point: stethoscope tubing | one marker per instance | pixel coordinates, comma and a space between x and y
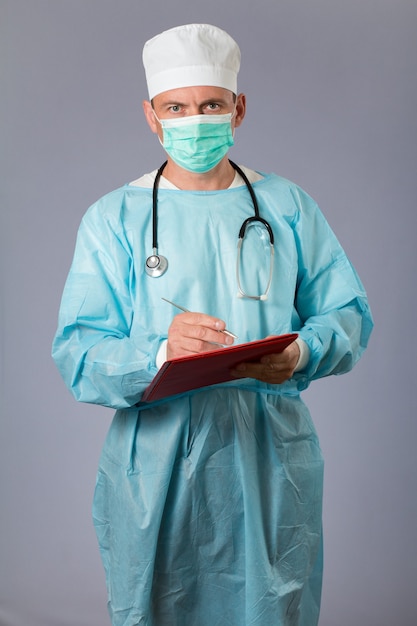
156, 264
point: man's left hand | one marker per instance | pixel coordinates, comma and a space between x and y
273, 369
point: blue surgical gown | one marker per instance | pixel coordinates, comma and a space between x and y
208, 505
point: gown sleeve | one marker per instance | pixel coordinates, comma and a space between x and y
330, 298
101, 359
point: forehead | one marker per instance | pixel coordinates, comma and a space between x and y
197, 94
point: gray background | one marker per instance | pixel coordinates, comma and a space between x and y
332, 104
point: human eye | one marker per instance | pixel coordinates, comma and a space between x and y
174, 108
212, 107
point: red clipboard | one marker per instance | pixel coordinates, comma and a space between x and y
210, 368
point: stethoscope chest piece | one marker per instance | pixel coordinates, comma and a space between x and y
156, 265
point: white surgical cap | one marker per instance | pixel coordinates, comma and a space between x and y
191, 55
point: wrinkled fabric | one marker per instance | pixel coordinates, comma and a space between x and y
208, 505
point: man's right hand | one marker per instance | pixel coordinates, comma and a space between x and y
192, 333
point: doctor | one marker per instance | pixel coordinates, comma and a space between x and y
207, 505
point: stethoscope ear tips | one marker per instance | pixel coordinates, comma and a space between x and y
156, 265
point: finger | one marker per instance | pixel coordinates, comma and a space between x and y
203, 334
183, 345
202, 319
192, 333
287, 359
268, 373
199, 319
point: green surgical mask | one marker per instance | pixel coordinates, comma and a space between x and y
197, 142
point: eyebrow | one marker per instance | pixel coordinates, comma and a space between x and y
201, 104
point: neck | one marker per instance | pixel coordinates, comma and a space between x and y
220, 177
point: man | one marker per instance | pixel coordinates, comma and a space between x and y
208, 504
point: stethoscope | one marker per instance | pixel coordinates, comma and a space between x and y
156, 264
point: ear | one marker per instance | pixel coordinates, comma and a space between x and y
240, 109
149, 115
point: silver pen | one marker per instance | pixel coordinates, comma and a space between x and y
226, 332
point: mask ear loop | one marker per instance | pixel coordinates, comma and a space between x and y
156, 117
233, 129
161, 141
